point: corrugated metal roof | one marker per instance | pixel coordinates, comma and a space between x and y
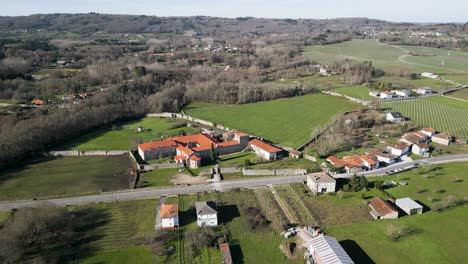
329, 250
407, 203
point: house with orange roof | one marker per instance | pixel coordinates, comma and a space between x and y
169, 214
399, 149
356, 163
429, 131
443, 138
421, 149
386, 95
415, 138
265, 150
37, 102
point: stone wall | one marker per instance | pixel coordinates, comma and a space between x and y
77, 153
268, 172
309, 157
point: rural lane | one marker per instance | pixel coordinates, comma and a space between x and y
218, 186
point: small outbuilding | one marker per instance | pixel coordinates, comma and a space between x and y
395, 117
409, 206
382, 209
225, 253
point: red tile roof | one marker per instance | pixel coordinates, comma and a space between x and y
166, 143
400, 146
169, 210
228, 143
266, 147
177, 158
423, 145
381, 206
428, 129
240, 134
185, 150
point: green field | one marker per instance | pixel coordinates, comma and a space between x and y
390, 58
358, 92
441, 113
158, 177
438, 237
121, 137
64, 177
400, 82
289, 122
460, 94
461, 78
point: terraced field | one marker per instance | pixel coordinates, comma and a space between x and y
441, 113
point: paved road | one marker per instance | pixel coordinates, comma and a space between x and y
225, 185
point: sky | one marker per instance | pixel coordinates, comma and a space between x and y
391, 10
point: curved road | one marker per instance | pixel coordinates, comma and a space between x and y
219, 186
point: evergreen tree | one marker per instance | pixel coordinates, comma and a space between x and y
212, 153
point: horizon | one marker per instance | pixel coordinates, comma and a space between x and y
274, 9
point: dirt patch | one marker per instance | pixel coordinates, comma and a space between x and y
187, 179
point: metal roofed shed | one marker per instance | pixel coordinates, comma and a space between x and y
327, 250
409, 206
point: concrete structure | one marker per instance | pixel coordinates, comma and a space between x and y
206, 214
225, 253
402, 93
191, 150
265, 150
409, 206
327, 250
399, 149
394, 117
443, 138
169, 216
421, 149
295, 154
321, 182
381, 209
386, 95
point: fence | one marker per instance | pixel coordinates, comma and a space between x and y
269, 172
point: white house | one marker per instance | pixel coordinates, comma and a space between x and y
326, 249
421, 149
424, 90
415, 138
429, 75
169, 214
386, 95
395, 117
443, 138
383, 157
409, 206
402, 93
399, 149
325, 72
428, 131
374, 93
321, 182
206, 214
265, 150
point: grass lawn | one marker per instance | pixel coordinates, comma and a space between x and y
4, 216
65, 176
387, 57
358, 92
289, 122
438, 237
114, 229
158, 177
461, 78
441, 113
236, 159
122, 137
460, 94
288, 163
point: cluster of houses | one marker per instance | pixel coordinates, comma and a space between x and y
207, 216
192, 150
401, 93
415, 142
384, 209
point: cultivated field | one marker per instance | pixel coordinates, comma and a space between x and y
64, 177
460, 94
390, 58
442, 113
289, 122
120, 137
437, 237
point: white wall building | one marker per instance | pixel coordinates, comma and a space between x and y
399, 149
265, 150
394, 117
386, 95
402, 93
206, 214
321, 182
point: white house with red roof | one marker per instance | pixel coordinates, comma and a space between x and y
429, 131
399, 149
265, 150
421, 149
386, 95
